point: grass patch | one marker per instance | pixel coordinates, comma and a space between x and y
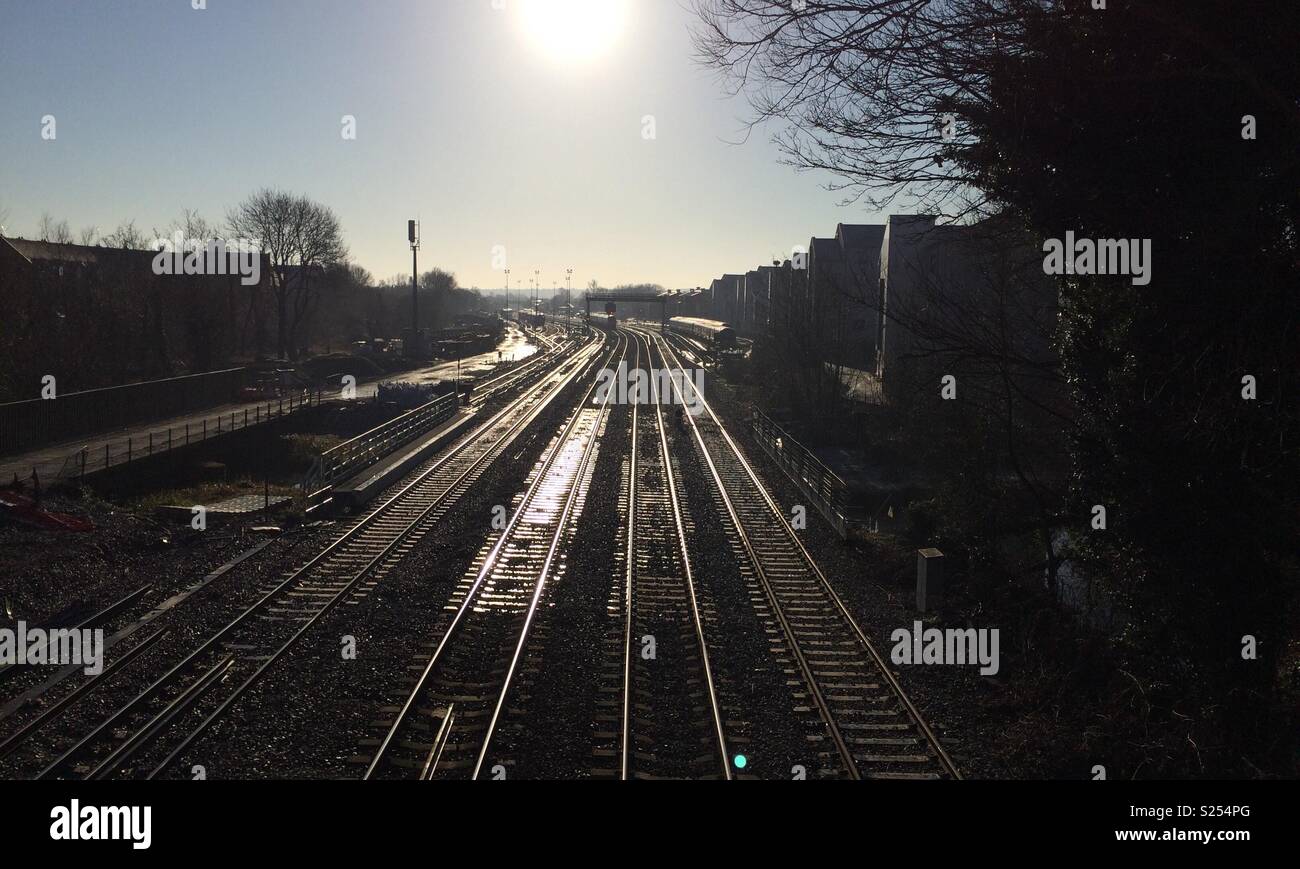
305, 448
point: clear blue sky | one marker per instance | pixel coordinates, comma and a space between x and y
479, 120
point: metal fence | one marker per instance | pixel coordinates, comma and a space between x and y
37, 423
152, 443
823, 487
367, 449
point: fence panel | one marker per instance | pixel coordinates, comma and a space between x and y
828, 493
38, 423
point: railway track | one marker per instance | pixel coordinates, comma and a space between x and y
875, 730
670, 724
670, 679
133, 741
98, 620
503, 383
446, 724
552, 347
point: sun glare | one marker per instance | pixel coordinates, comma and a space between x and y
574, 31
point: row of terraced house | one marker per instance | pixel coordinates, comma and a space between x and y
873, 296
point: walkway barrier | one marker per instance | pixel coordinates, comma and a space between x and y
32, 424
361, 452
822, 486
135, 447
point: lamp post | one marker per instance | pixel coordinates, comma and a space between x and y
537, 287
568, 300
507, 295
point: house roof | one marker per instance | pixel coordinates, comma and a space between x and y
861, 236
50, 252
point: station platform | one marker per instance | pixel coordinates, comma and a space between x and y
359, 490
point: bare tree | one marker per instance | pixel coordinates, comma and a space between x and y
318, 245
193, 226
125, 237
360, 276
868, 90
88, 235
299, 236
440, 288
263, 218
56, 232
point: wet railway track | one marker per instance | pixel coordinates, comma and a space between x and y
444, 728
874, 729
502, 384
669, 722
687, 650
149, 733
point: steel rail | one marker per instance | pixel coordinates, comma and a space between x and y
91, 621
180, 704
16, 740
561, 523
191, 660
439, 743
841, 610
625, 738
688, 575
342, 594
509, 378
453, 628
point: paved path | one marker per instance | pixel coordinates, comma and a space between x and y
113, 448
513, 348
117, 447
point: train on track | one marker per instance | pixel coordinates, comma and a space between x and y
711, 333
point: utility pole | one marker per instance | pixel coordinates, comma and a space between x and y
568, 300
507, 295
413, 235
